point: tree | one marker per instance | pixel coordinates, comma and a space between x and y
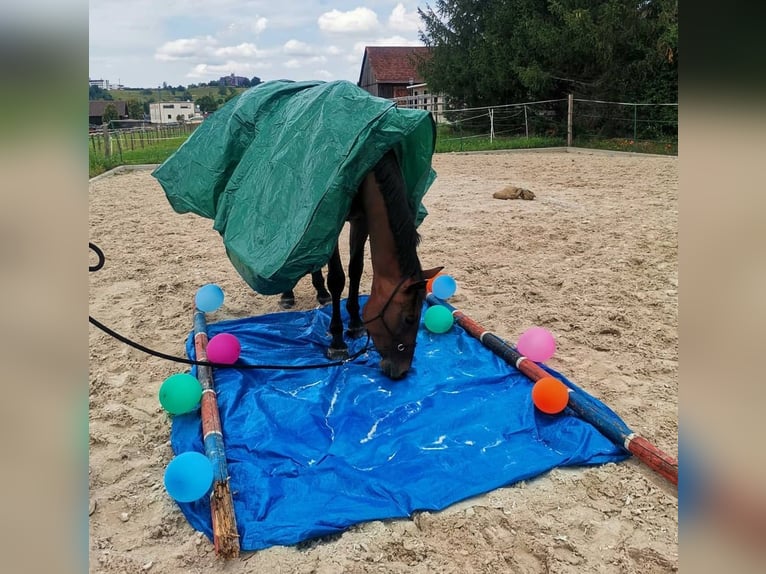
207, 104
500, 51
135, 110
254, 81
222, 90
96, 93
110, 114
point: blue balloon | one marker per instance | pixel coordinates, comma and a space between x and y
209, 298
189, 476
444, 286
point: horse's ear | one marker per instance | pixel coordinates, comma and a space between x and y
430, 273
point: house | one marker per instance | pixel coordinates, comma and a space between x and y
96, 110
171, 112
103, 84
234, 81
392, 72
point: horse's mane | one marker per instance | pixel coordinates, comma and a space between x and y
400, 213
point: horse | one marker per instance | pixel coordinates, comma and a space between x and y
380, 210
287, 299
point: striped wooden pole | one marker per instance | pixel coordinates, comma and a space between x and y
653, 457
225, 535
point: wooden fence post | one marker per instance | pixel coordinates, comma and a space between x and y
570, 100
107, 143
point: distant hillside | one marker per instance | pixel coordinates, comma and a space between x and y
145, 95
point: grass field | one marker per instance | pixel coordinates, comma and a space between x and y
159, 151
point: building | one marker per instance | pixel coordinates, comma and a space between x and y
233, 81
392, 72
96, 110
103, 84
171, 112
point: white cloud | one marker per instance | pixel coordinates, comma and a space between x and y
356, 20
184, 48
214, 71
298, 48
244, 50
333, 50
403, 21
324, 75
259, 25
293, 64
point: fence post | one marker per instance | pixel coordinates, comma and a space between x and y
107, 143
635, 110
570, 105
491, 124
526, 122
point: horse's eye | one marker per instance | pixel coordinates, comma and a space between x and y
400, 347
409, 319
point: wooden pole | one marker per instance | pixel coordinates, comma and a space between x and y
662, 463
570, 106
107, 143
225, 535
526, 121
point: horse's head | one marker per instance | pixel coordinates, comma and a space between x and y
392, 317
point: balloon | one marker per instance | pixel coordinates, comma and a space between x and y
536, 344
430, 283
223, 348
444, 286
209, 298
189, 476
180, 393
550, 395
438, 319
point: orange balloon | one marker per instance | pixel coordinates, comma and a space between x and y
550, 395
430, 283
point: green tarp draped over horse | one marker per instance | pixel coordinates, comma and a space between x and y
277, 168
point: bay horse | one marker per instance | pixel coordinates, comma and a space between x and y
287, 299
391, 317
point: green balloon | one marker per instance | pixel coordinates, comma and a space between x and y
180, 394
438, 319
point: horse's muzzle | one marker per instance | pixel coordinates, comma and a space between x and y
392, 370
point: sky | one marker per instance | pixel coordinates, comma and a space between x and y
143, 43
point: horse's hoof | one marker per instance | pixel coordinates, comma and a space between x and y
337, 354
356, 332
287, 303
324, 298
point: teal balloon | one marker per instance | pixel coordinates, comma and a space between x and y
209, 298
444, 286
180, 394
189, 476
438, 319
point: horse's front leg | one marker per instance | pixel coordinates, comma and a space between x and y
317, 280
357, 239
336, 281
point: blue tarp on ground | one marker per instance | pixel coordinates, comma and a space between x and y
312, 452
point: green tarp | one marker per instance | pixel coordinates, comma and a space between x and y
277, 167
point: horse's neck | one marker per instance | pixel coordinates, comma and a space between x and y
383, 253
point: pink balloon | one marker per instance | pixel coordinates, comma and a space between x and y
223, 348
536, 344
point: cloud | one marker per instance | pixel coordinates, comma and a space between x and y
214, 71
259, 25
403, 21
333, 50
244, 50
356, 53
184, 48
298, 48
356, 20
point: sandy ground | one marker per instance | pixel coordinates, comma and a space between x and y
593, 258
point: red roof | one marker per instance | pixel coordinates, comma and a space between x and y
395, 64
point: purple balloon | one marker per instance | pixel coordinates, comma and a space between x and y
223, 348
